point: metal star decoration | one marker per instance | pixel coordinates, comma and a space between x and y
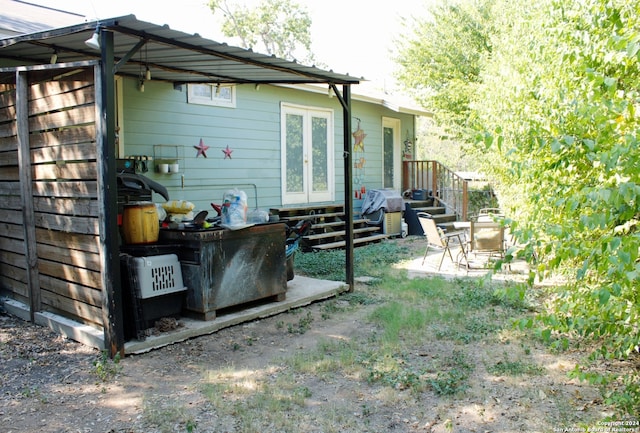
202, 149
227, 152
359, 136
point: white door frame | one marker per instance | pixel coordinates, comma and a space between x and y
394, 124
307, 195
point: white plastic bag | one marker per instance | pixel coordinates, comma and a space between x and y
234, 208
257, 216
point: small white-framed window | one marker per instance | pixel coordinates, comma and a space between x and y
217, 95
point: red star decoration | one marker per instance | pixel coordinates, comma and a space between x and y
227, 152
202, 149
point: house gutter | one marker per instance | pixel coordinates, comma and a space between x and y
387, 103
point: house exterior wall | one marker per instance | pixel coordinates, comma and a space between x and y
161, 116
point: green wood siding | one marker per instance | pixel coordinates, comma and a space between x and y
161, 115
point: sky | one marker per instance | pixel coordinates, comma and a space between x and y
354, 37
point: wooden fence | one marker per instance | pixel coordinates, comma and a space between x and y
50, 249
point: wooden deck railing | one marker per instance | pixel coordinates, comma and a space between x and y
449, 189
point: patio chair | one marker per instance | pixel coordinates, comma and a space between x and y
439, 238
490, 211
486, 237
489, 214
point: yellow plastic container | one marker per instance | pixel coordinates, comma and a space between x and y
140, 223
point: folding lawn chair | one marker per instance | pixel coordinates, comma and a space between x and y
439, 238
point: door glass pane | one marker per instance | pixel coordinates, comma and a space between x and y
295, 168
388, 157
320, 175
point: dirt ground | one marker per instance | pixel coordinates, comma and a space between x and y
50, 384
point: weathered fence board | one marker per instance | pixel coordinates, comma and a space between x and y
16, 287
62, 201
15, 274
71, 152
72, 291
79, 311
66, 206
8, 95
66, 171
9, 158
7, 113
13, 259
74, 241
8, 129
8, 143
61, 119
9, 201
45, 83
71, 136
69, 98
11, 216
78, 258
8, 174
80, 189
67, 224
12, 245
12, 231
70, 273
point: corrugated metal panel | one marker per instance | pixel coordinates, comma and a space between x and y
171, 55
18, 17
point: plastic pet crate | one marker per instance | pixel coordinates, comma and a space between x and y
158, 275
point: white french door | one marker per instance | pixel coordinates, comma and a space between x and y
307, 154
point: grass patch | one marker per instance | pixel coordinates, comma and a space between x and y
399, 321
507, 367
373, 260
106, 368
454, 375
422, 337
249, 403
167, 415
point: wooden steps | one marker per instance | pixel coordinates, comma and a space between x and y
328, 228
333, 234
313, 216
356, 242
340, 223
438, 213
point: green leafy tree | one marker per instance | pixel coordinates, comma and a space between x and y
441, 62
554, 109
579, 158
275, 27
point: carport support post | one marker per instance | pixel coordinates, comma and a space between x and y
348, 185
112, 315
26, 192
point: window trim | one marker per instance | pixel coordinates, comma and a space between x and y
213, 100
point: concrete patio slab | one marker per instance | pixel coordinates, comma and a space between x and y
301, 291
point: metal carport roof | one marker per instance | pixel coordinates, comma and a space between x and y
171, 55
127, 47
